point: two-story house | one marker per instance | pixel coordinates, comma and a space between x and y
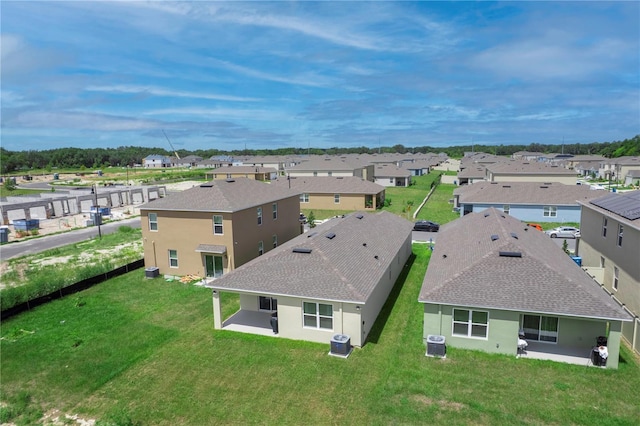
215, 227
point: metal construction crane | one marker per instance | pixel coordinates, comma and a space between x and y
170, 144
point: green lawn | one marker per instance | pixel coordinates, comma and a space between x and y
146, 351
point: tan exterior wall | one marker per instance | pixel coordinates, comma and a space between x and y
223, 176
565, 179
327, 202
333, 173
184, 231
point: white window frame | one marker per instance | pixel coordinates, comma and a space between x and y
470, 324
317, 318
260, 248
336, 198
550, 211
620, 232
173, 258
549, 336
259, 210
605, 222
274, 209
304, 197
153, 221
616, 278
218, 225
275, 240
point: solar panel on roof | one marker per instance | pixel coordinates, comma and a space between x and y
624, 205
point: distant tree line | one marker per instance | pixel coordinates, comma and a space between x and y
95, 158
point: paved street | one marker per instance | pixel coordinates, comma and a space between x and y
36, 245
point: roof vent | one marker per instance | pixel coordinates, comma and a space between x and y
331, 235
514, 235
375, 257
364, 244
494, 237
544, 186
302, 250
359, 216
510, 254
339, 177
487, 215
312, 234
230, 180
506, 186
207, 185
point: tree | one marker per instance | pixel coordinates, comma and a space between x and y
312, 220
565, 247
9, 184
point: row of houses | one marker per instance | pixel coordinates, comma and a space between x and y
383, 169
489, 276
561, 168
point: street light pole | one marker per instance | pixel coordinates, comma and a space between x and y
97, 216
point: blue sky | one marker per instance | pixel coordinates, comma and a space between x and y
320, 74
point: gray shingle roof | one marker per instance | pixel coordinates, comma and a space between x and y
525, 193
466, 269
331, 185
389, 170
337, 269
524, 168
222, 196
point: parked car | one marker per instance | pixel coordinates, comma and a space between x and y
563, 232
426, 226
535, 225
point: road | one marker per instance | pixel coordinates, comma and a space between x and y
37, 245
431, 236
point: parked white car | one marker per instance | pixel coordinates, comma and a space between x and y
563, 232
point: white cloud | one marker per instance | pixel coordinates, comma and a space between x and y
158, 91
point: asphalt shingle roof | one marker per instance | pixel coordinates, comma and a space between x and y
466, 269
343, 268
222, 196
525, 193
331, 185
525, 168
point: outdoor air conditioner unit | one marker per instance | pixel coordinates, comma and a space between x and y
340, 345
152, 272
436, 346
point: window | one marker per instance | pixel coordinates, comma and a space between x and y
391, 180
304, 198
217, 225
620, 229
540, 328
260, 248
601, 261
615, 278
268, 303
604, 227
550, 211
173, 258
153, 221
317, 315
329, 173
506, 209
470, 323
274, 208
315, 173
336, 198
259, 215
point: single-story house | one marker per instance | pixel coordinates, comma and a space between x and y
491, 278
331, 280
335, 193
526, 201
523, 171
390, 175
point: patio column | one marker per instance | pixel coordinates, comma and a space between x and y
217, 313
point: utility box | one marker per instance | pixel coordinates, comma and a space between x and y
340, 345
436, 346
152, 272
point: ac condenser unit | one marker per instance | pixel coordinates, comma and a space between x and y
340, 345
436, 346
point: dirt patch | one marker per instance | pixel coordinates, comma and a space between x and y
424, 400
57, 418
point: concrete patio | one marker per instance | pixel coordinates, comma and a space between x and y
550, 352
252, 322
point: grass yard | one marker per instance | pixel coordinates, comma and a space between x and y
145, 351
405, 200
438, 209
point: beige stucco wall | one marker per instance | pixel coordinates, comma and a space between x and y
333, 173
347, 202
184, 231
